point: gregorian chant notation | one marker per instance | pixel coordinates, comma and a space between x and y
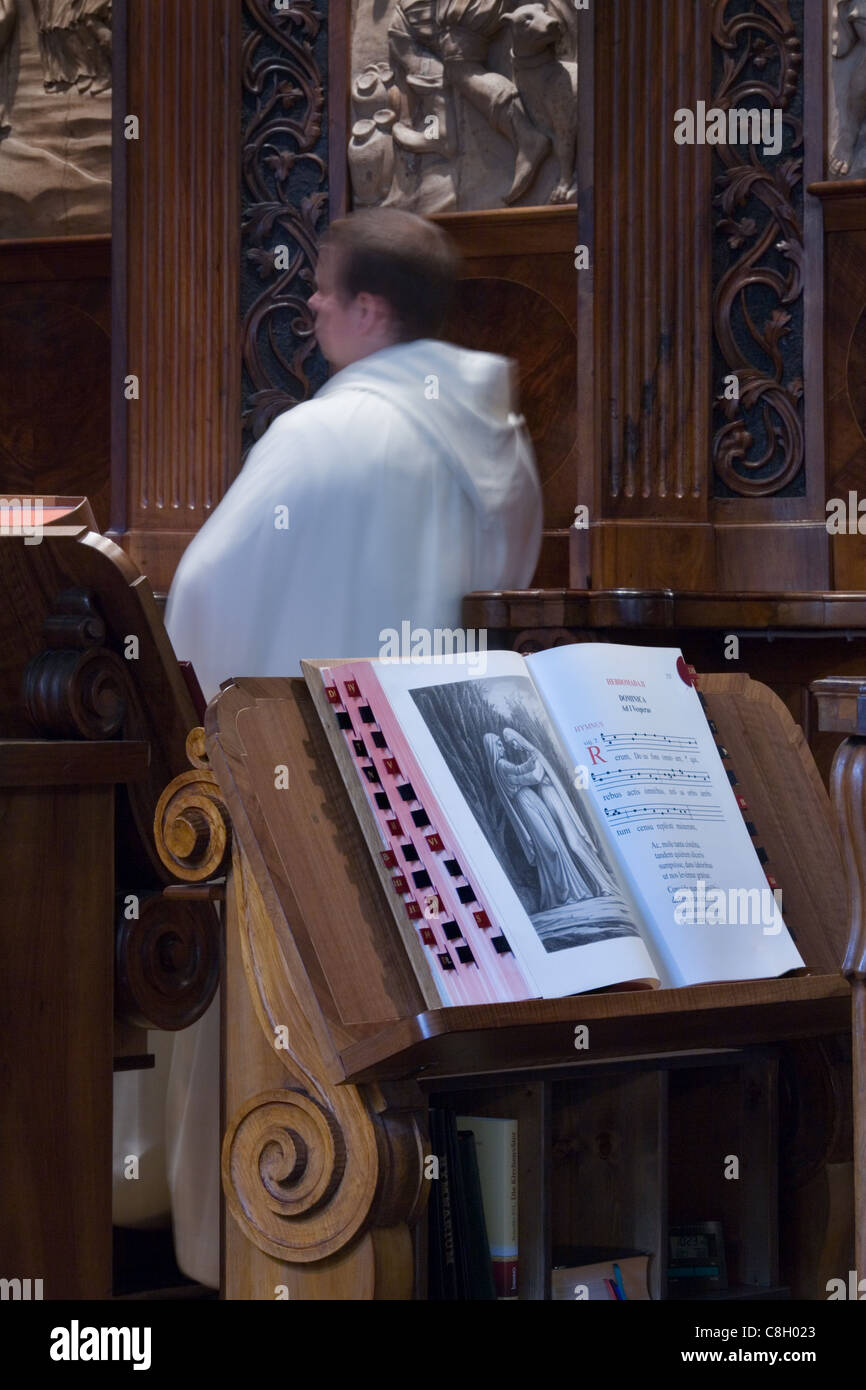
672, 742
669, 777
664, 812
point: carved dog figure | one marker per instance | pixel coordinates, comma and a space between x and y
547, 87
849, 31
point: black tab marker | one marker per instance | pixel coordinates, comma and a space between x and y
407, 792
410, 853
451, 930
382, 801
465, 956
465, 893
420, 819
344, 720
378, 739
367, 715
453, 868
421, 879
371, 774
501, 946
446, 962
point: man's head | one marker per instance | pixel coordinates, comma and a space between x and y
383, 277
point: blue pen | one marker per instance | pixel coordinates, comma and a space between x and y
619, 1283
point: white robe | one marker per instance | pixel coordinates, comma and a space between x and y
408, 482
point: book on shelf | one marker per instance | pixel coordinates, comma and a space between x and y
552, 824
598, 1275
495, 1142
460, 1265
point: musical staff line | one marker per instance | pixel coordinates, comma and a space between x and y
648, 812
678, 742
617, 777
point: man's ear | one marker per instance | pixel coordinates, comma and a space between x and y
376, 312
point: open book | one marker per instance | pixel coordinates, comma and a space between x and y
552, 824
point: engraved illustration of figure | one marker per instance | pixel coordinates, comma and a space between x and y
457, 33
568, 867
849, 37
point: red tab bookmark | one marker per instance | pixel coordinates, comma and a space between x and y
333, 694
352, 689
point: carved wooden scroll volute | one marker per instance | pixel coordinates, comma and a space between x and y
168, 958
307, 1167
77, 687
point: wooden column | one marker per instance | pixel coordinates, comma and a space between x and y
181, 249
699, 254
644, 393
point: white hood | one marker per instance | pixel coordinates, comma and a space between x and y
471, 417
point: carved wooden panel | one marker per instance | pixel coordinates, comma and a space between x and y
55, 366
844, 206
55, 118
517, 298
182, 257
758, 444
285, 204
457, 107
698, 255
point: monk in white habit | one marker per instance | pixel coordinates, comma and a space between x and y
407, 482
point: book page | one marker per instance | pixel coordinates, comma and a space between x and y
637, 736
484, 742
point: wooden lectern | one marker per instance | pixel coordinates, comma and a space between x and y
94, 718
332, 1059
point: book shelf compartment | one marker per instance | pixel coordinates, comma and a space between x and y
617, 1155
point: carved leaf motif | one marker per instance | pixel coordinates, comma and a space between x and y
758, 450
284, 198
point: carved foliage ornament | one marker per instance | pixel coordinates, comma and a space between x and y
757, 301
284, 201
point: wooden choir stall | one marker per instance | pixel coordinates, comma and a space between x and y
94, 719
333, 1057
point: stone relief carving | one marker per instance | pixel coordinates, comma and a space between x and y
463, 104
55, 117
848, 89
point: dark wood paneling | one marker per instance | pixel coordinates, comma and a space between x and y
55, 1222
517, 297
55, 366
844, 206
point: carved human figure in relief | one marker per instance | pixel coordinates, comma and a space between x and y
75, 43
457, 33
849, 38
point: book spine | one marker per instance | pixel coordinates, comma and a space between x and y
504, 1258
496, 1146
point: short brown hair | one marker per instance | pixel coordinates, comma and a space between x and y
405, 259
